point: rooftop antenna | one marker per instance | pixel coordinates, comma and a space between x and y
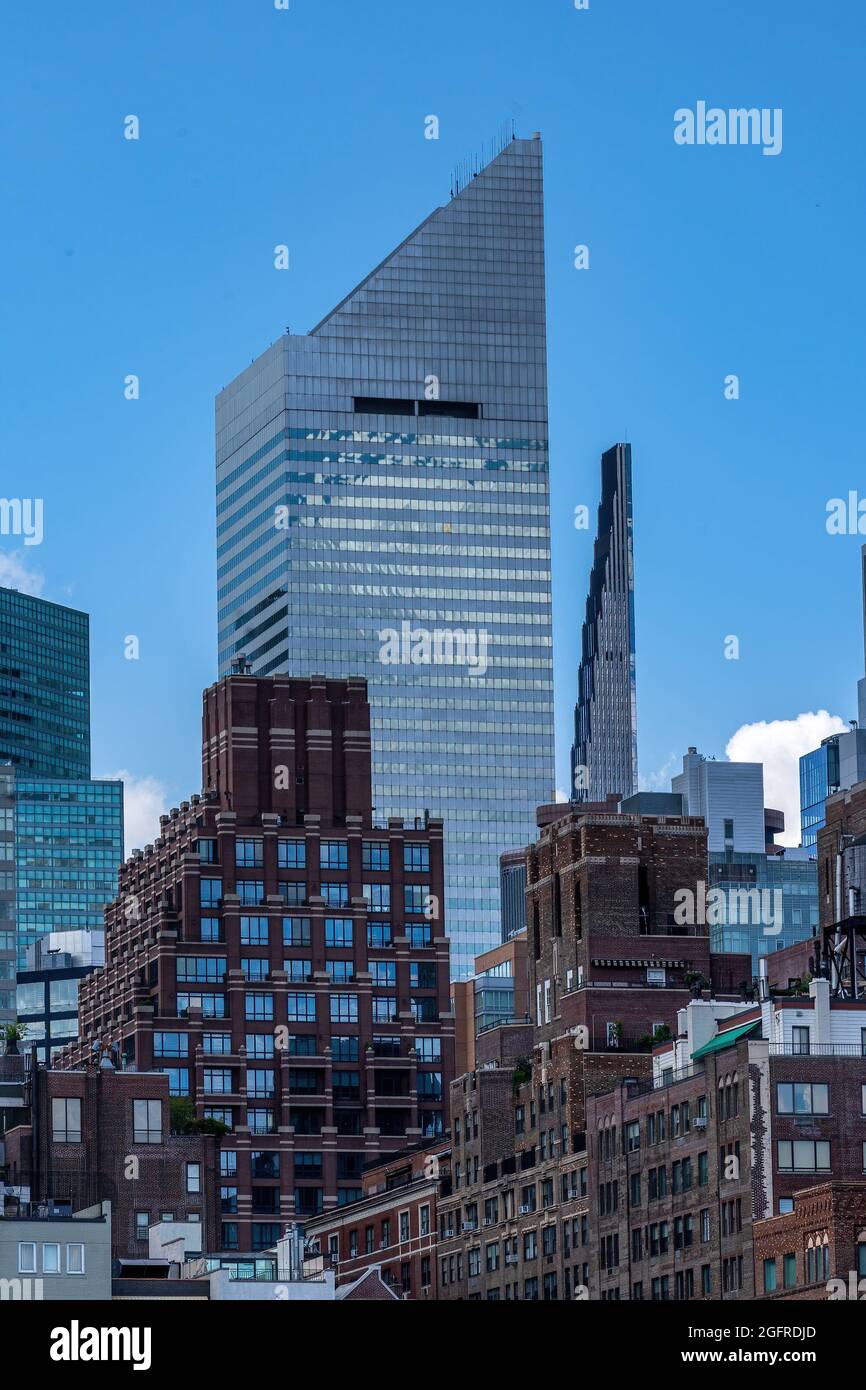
469, 168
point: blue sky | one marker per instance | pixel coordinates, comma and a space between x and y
259, 127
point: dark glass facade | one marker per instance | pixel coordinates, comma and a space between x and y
604, 753
44, 686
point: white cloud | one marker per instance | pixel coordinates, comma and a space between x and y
660, 781
15, 575
779, 744
561, 795
145, 799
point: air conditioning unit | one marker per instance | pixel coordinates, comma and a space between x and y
488, 1220
525, 1209
511, 1259
700, 1122
468, 1226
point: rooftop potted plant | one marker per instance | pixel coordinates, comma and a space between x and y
13, 1034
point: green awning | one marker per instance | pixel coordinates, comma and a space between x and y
723, 1040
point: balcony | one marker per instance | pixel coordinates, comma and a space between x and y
818, 1050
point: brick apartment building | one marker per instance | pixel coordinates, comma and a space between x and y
605, 950
513, 1215
731, 1127
102, 1135
282, 958
393, 1228
818, 1250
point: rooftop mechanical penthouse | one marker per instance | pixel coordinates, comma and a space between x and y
283, 958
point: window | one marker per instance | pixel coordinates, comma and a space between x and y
800, 1041
223, 1113
344, 1008
338, 932
210, 892
336, 894
292, 894
218, 1081
376, 856
291, 854
193, 1177
257, 1045
171, 1044
790, 1270
802, 1098
211, 929
259, 1006
142, 1224
207, 851
201, 970
804, 1155
415, 896
211, 1005
254, 931
422, 974
296, 931
384, 1009
75, 1258
341, 972
384, 973
248, 854
260, 1083
333, 854
66, 1120
255, 968
251, 891
416, 858
378, 896
301, 1008
379, 934
178, 1080
299, 969
50, 1257
418, 936
147, 1121
26, 1257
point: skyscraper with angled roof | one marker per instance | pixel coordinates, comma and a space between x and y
604, 752
382, 510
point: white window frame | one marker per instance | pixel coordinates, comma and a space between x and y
23, 1266
79, 1246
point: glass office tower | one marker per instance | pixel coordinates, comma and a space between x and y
61, 833
382, 510
44, 686
68, 849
